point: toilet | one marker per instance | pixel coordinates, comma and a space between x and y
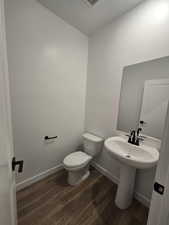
77, 163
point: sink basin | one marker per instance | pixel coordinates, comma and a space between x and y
140, 157
131, 157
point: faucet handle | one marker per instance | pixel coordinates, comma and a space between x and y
138, 131
132, 131
129, 133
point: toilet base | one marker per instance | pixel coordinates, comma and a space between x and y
76, 177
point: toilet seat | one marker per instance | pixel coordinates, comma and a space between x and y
76, 160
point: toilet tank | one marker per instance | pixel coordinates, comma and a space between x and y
92, 144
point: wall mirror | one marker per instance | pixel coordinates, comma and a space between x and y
144, 97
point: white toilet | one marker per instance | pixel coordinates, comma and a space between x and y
77, 163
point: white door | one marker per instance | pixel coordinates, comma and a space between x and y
7, 180
159, 209
154, 107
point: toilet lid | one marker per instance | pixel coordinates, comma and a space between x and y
76, 159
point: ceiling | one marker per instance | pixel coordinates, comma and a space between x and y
89, 19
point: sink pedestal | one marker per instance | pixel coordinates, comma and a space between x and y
126, 185
131, 157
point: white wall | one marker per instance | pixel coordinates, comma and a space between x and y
140, 35
48, 70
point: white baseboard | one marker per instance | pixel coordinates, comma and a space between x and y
143, 199
105, 172
38, 177
140, 197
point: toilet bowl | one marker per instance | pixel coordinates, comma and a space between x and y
77, 163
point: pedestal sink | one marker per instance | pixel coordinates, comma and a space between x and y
132, 157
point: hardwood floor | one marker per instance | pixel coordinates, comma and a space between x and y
53, 202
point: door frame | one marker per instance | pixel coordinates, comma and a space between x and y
157, 82
151, 83
159, 207
6, 137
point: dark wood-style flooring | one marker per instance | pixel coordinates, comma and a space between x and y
53, 202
